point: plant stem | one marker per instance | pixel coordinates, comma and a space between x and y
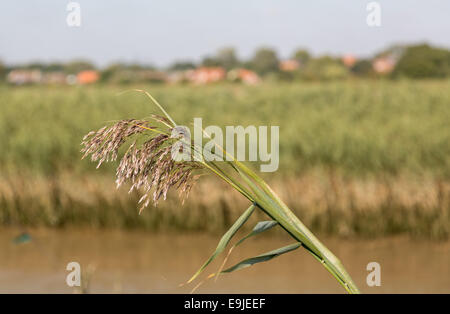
269, 202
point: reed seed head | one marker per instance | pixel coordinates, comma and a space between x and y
148, 166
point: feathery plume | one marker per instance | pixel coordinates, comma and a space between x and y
149, 167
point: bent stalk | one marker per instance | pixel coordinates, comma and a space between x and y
148, 166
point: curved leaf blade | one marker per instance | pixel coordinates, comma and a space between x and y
263, 257
259, 228
225, 239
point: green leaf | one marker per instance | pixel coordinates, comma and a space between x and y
226, 239
262, 258
259, 228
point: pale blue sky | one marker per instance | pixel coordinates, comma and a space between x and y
159, 32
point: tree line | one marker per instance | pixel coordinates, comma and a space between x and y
413, 61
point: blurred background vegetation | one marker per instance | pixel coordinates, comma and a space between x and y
357, 157
395, 62
364, 146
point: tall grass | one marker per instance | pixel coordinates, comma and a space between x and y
330, 204
362, 128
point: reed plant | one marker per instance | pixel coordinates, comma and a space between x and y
147, 165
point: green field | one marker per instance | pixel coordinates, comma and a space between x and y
361, 127
393, 133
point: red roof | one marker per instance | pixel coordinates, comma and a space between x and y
87, 77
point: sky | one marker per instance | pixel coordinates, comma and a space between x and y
160, 32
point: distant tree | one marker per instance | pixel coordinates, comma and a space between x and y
109, 72
226, 57
137, 67
325, 68
182, 66
76, 66
123, 73
265, 61
34, 66
2, 71
54, 67
302, 56
210, 62
288, 75
362, 68
423, 61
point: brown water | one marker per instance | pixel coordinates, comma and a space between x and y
137, 262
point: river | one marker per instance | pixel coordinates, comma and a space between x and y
142, 262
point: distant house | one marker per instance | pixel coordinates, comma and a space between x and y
54, 78
349, 60
245, 76
87, 77
384, 65
205, 75
21, 77
177, 77
289, 65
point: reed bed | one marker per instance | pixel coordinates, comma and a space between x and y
356, 151
330, 204
362, 128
